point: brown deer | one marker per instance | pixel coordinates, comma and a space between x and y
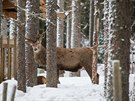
41, 80
70, 59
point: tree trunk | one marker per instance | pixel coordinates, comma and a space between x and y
1, 78
95, 42
68, 34
106, 12
12, 34
51, 6
12, 28
75, 29
119, 44
21, 77
91, 23
4, 28
32, 28
0, 14
60, 28
133, 30
68, 25
133, 96
101, 16
60, 25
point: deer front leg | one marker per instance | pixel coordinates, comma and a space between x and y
89, 71
58, 76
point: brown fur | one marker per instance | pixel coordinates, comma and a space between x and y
70, 59
41, 80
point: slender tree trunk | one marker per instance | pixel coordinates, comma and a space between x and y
51, 6
91, 22
133, 96
60, 28
68, 25
101, 16
68, 34
95, 42
0, 14
133, 26
12, 34
119, 35
32, 29
12, 28
1, 79
106, 12
133, 36
75, 29
21, 77
60, 25
4, 27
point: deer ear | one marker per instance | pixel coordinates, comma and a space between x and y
26, 41
29, 42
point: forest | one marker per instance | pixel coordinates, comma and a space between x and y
67, 50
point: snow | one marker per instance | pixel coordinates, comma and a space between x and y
70, 89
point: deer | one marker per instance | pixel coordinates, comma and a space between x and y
41, 80
68, 59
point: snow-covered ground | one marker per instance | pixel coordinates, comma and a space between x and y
70, 89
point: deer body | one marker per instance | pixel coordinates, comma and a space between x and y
70, 59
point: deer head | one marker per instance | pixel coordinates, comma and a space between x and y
36, 45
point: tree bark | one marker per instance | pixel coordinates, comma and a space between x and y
60, 28
119, 43
106, 15
21, 75
1, 78
32, 31
91, 23
4, 27
0, 14
133, 96
68, 25
75, 29
51, 6
68, 31
12, 28
60, 25
95, 42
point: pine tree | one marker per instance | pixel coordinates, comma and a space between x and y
60, 25
21, 77
68, 25
60, 28
1, 79
4, 27
106, 12
119, 44
32, 28
75, 28
51, 6
12, 28
0, 14
91, 22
